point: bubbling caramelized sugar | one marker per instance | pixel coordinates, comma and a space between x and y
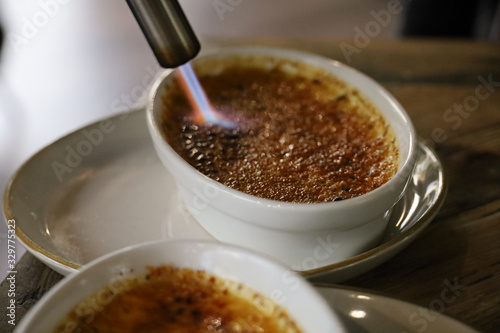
303, 136
170, 299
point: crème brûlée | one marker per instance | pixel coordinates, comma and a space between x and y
301, 135
178, 300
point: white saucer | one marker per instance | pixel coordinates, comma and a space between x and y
365, 312
103, 188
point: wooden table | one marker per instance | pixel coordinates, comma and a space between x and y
451, 89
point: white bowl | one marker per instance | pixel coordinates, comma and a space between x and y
302, 302
292, 232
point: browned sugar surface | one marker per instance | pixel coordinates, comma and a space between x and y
299, 139
179, 300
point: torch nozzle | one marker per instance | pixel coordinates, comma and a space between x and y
167, 30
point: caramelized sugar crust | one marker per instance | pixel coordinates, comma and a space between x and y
300, 138
170, 299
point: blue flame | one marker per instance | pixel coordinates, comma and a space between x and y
200, 99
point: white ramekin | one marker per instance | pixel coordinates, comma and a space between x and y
291, 232
273, 280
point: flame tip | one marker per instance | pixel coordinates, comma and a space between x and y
204, 112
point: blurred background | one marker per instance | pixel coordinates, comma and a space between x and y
66, 63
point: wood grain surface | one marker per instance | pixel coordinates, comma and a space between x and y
454, 266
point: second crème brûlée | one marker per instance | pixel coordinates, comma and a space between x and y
301, 134
171, 299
